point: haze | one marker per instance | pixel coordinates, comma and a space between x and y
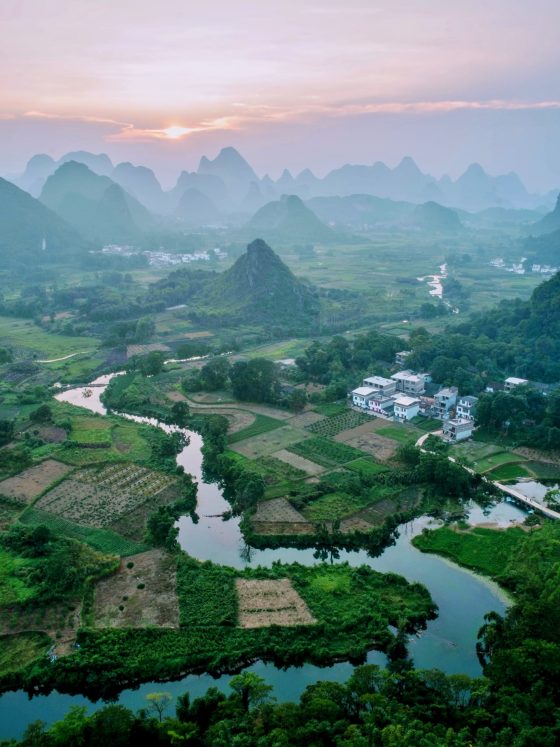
292, 84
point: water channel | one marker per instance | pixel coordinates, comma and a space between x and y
448, 643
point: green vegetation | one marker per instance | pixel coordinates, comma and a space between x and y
325, 452
17, 651
366, 466
101, 539
487, 551
402, 434
330, 426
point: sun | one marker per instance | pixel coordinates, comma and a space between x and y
175, 132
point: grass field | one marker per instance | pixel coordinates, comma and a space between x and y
484, 550
496, 460
100, 539
365, 466
335, 506
23, 334
17, 651
508, 472
269, 442
330, 409
326, 453
261, 424
13, 587
403, 434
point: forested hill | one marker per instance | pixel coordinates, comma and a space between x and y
29, 231
517, 338
258, 288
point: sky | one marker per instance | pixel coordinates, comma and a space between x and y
290, 83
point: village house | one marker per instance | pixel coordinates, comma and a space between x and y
512, 382
457, 429
409, 383
400, 358
444, 401
382, 406
362, 395
466, 407
380, 384
406, 408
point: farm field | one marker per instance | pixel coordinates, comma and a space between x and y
306, 466
30, 483
269, 442
263, 603
325, 452
27, 339
142, 593
99, 496
261, 424
365, 466
103, 540
335, 424
403, 434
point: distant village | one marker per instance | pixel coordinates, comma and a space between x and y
408, 394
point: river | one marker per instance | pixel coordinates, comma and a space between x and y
448, 643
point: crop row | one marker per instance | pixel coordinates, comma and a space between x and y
338, 423
325, 452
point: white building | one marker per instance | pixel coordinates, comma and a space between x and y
400, 358
406, 408
382, 406
466, 407
409, 382
444, 400
380, 384
457, 429
362, 395
512, 382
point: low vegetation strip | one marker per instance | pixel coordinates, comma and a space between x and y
366, 466
487, 551
261, 424
330, 426
325, 452
100, 539
263, 603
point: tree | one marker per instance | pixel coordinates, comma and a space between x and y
251, 689
297, 400
158, 703
215, 374
6, 431
150, 364
42, 414
255, 380
180, 413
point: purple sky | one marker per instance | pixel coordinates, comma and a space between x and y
291, 83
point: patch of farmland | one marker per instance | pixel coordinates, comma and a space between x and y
325, 452
270, 442
306, 419
277, 509
132, 350
270, 602
337, 423
261, 424
365, 438
30, 483
299, 462
97, 497
139, 596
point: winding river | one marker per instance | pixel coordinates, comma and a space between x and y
448, 643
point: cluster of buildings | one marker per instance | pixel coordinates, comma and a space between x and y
407, 394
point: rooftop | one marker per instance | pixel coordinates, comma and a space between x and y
515, 380
363, 391
378, 381
403, 401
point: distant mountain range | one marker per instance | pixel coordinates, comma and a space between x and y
95, 205
233, 187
